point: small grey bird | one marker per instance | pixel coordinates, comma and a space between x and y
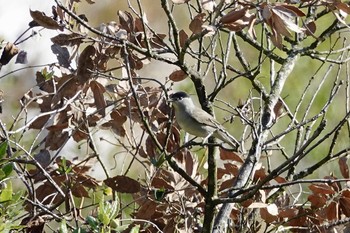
198, 122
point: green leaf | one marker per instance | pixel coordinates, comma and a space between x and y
159, 194
7, 169
93, 223
63, 226
135, 229
3, 147
6, 194
2, 176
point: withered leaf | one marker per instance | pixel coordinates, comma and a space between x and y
8, 53
85, 180
43, 158
278, 109
79, 190
177, 76
85, 64
231, 168
44, 193
281, 20
344, 168
22, 57
321, 189
267, 216
98, 90
310, 28
317, 201
196, 24
126, 20
56, 139
40, 122
67, 39
190, 163
79, 135
158, 182
117, 123
331, 211
123, 184
62, 55
147, 210
233, 16
230, 155
45, 21
157, 41
183, 37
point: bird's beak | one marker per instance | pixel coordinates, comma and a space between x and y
170, 99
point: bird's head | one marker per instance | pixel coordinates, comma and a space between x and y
181, 100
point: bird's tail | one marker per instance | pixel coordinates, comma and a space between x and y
224, 136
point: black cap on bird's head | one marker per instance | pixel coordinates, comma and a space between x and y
178, 96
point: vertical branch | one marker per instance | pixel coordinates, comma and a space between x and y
254, 154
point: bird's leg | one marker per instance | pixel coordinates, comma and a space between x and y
207, 137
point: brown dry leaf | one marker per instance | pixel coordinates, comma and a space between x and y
190, 163
142, 153
126, 21
157, 41
288, 213
310, 28
43, 158
280, 180
123, 184
278, 109
45, 21
281, 20
317, 201
228, 183
196, 24
86, 64
159, 183
260, 174
151, 148
98, 90
343, 166
40, 122
332, 212
147, 210
230, 155
79, 191
233, 16
321, 189
21, 57
80, 134
300, 218
177, 76
135, 62
8, 53
344, 204
67, 39
231, 169
117, 123
267, 216
44, 193
56, 139
183, 37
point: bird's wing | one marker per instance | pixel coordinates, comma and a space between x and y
205, 118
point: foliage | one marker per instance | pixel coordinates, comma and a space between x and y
96, 88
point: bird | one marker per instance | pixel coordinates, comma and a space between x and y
198, 122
